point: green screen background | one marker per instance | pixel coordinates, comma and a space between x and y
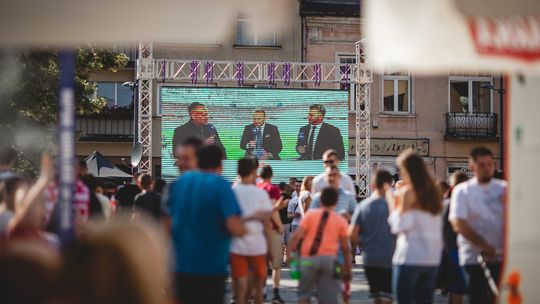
231, 109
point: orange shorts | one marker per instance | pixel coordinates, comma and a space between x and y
242, 264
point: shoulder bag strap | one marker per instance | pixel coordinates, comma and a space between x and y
318, 237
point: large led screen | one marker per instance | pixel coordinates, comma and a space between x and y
288, 129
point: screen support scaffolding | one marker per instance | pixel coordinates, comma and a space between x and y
145, 75
363, 80
282, 74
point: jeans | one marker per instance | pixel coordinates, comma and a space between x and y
414, 284
479, 291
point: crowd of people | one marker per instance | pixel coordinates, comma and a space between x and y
148, 242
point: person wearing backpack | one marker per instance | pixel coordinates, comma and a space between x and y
323, 232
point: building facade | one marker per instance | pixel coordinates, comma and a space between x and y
442, 117
111, 133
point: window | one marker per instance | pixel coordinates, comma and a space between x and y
115, 93
453, 167
350, 60
467, 95
396, 92
248, 33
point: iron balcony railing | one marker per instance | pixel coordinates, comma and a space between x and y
108, 129
471, 125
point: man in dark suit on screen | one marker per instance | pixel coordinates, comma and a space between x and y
197, 126
261, 139
318, 136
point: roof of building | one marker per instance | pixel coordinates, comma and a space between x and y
346, 8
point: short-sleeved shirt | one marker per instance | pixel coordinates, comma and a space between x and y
320, 182
346, 202
274, 193
251, 200
272, 190
377, 242
294, 207
125, 196
199, 205
149, 202
334, 229
302, 198
482, 207
81, 200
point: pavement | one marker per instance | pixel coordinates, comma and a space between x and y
359, 287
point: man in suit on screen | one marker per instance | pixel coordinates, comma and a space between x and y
197, 126
260, 138
318, 136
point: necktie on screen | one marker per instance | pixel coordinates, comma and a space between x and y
310, 143
258, 143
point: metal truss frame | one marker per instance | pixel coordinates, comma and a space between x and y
243, 72
363, 80
201, 72
145, 76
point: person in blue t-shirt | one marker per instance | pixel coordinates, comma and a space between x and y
346, 202
205, 216
372, 233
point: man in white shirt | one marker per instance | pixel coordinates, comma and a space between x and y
250, 251
295, 211
476, 213
330, 159
293, 182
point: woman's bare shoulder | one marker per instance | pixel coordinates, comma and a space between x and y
409, 199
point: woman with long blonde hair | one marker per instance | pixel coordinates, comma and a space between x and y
416, 219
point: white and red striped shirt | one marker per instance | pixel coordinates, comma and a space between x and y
81, 200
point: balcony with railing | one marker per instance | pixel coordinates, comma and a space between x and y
471, 126
104, 128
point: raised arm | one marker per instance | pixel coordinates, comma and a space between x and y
245, 138
34, 196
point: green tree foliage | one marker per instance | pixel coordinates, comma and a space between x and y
29, 81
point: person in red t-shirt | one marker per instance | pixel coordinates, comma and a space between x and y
276, 248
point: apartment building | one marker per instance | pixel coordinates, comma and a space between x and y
442, 117
111, 133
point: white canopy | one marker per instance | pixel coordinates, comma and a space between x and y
99, 166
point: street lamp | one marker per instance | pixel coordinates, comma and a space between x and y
501, 92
